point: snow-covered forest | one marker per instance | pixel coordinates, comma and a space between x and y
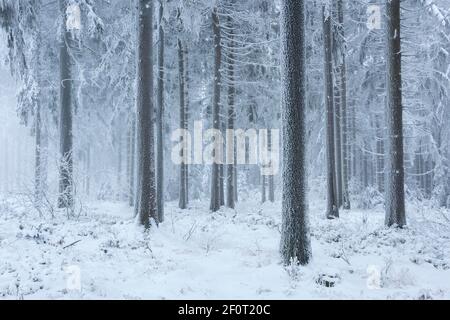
225, 149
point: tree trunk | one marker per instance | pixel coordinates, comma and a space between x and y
181, 80
88, 170
133, 163
263, 189
65, 199
186, 113
295, 238
38, 156
215, 174
128, 157
119, 164
395, 193
337, 136
221, 181
231, 168
343, 116
146, 193
39, 165
160, 120
271, 177
380, 155
333, 207
364, 171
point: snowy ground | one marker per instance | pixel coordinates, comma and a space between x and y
228, 255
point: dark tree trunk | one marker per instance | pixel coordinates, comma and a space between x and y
295, 238
343, 116
336, 47
215, 174
333, 207
395, 193
231, 168
263, 189
160, 120
186, 113
65, 199
337, 136
182, 88
146, 192
271, 178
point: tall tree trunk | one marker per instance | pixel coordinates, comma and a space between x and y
215, 174
222, 176
295, 237
395, 193
88, 170
336, 48
65, 199
119, 164
182, 83
38, 156
44, 155
333, 207
271, 177
39, 164
160, 119
132, 182
263, 189
380, 155
364, 169
231, 168
337, 135
146, 192
186, 113
343, 116
128, 158
353, 147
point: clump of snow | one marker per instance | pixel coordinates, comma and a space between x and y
232, 254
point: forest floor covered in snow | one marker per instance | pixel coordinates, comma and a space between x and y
227, 255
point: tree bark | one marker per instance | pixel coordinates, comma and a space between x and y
343, 116
271, 177
119, 164
160, 120
182, 83
263, 189
38, 156
231, 168
337, 136
295, 238
146, 192
395, 195
65, 199
132, 161
332, 201
215, 178
186, 113
380, 155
